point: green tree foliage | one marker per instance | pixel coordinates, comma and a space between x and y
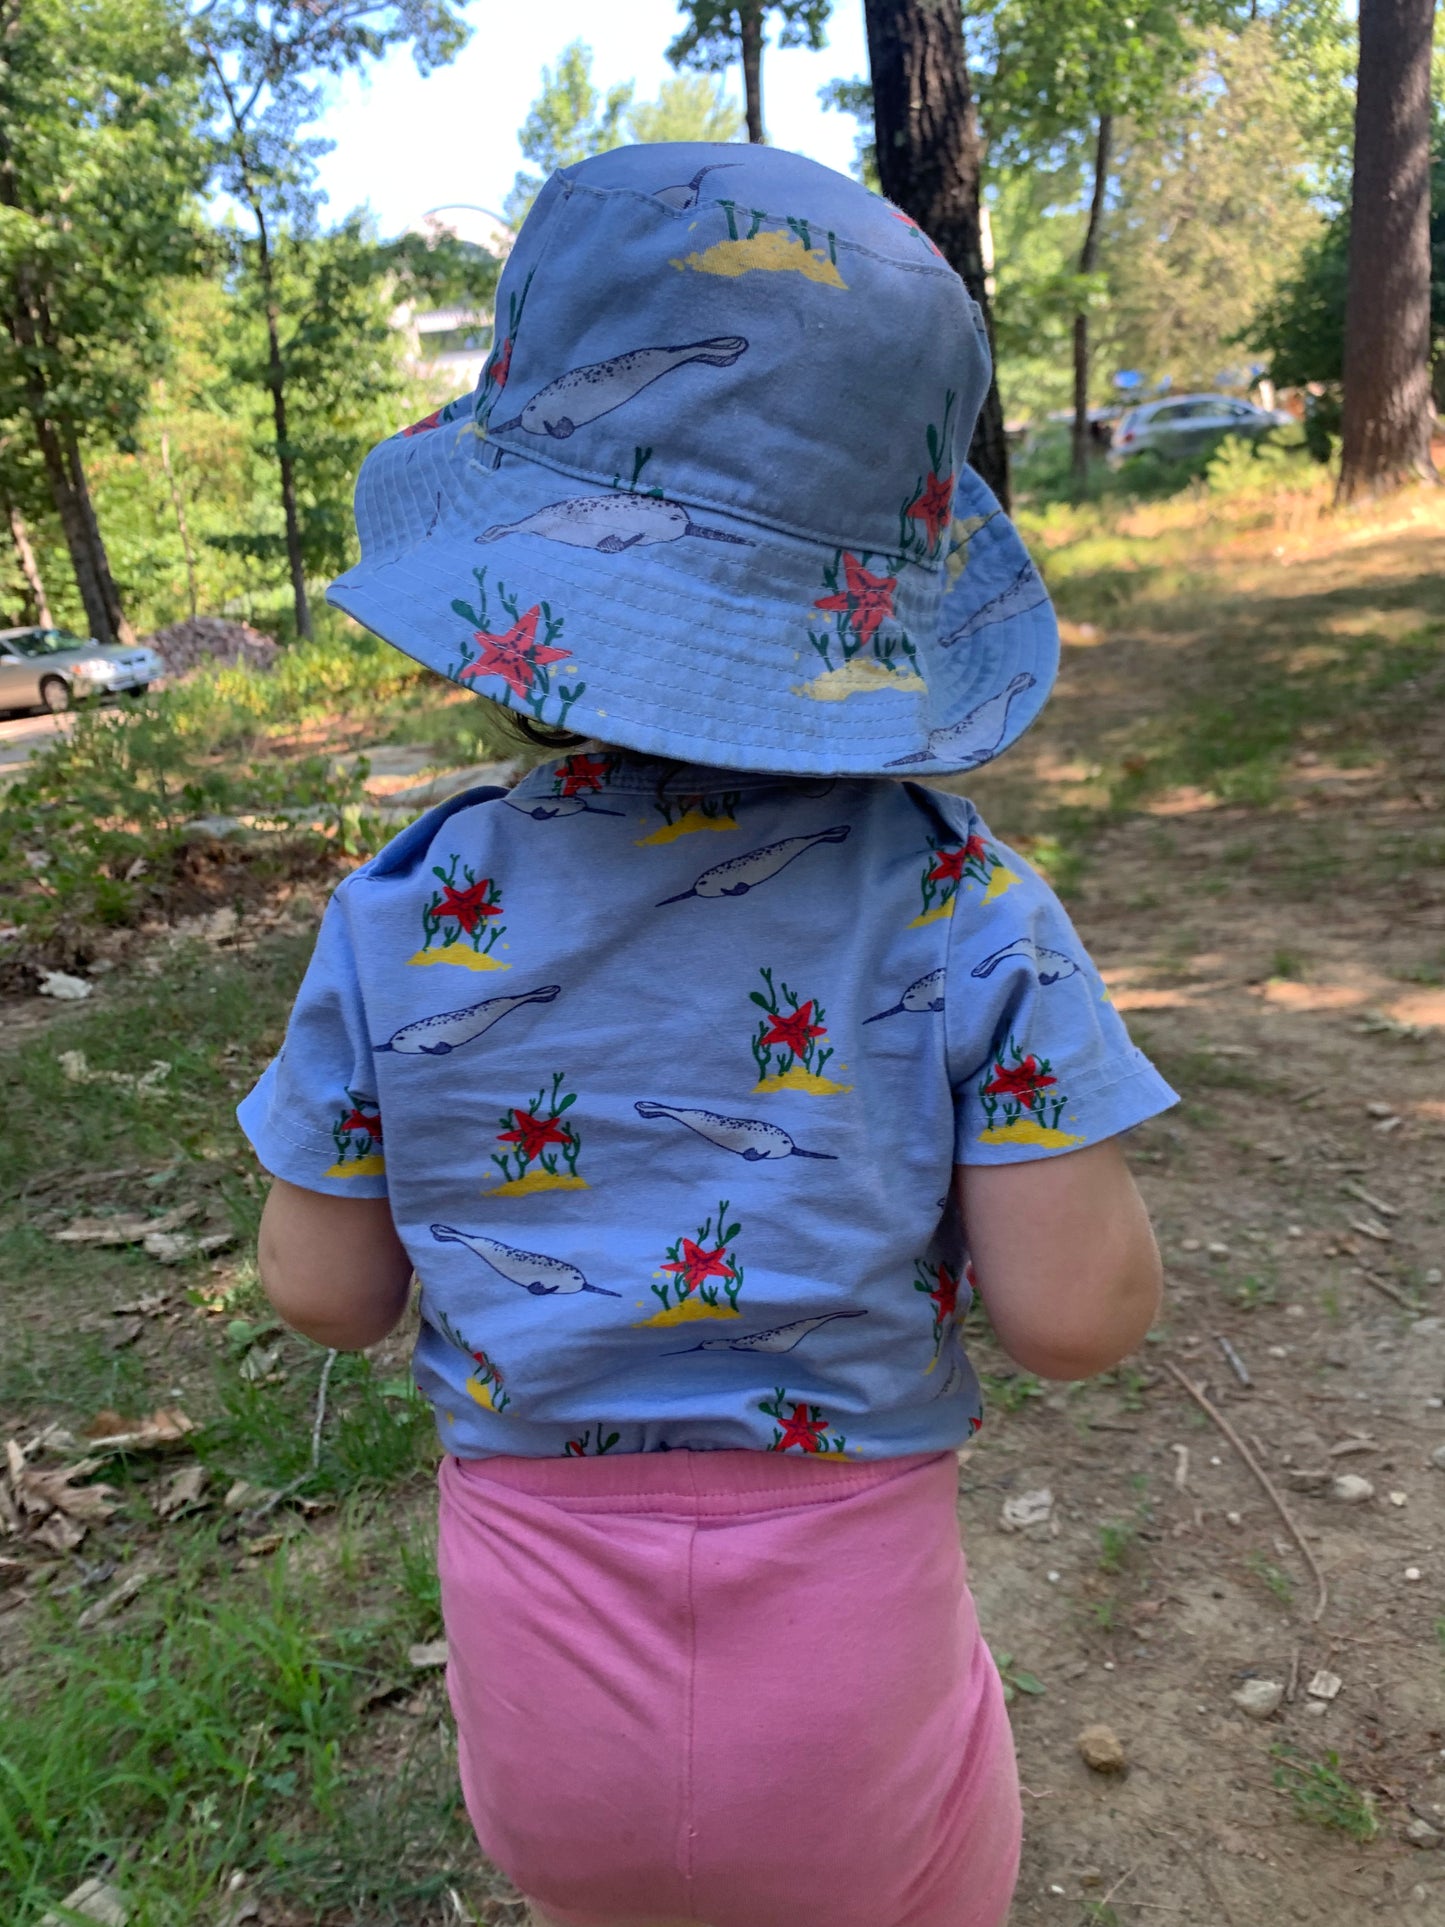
98, 164
266, 60
855, 97
1211, 209
718, 32
568, 121
689, 107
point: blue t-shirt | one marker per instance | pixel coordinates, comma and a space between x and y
664, 1073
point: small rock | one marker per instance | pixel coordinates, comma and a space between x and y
60, 983
1420, 1833
1432, 1275
431, 1654
1378, 1109
1259, 1698
1189, 1244
1437, 1458
1234, 1518
1413, 1574
1027, 1509
1325, 1685
1090, 1876
1101, 1749
1217, 1250
1308, 1478
92, 1900
1351, 1489
1399, 1498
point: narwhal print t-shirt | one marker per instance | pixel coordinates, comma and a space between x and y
664, 1073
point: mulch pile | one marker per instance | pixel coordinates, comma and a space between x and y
187, 646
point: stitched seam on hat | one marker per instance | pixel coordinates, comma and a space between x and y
712, 504
942, 273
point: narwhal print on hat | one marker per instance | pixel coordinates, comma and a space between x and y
709, 499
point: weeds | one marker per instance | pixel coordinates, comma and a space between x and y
1321, 1794
1117, 1538
1010, 1391
1016, 1679
1271, 1575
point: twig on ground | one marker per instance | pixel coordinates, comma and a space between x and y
1390, 1291
1365, 1197
1218, 1418
1117, 1885
269, 1504
1236, 1363
1293, 1685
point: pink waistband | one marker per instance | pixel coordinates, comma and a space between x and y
700, 1482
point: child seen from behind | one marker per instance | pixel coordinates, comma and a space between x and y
702, 1077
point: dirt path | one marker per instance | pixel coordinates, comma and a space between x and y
1284, 965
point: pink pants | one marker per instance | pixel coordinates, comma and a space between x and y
727, 1687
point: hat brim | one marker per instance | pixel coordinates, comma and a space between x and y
693, 633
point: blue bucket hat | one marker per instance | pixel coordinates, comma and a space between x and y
709, 498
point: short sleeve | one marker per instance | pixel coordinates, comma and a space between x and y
313, 1118
1039, 1060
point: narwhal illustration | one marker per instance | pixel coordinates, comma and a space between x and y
448, 1031
1026, 591
1052, 964
542, 809
611, 523
532, 1270
685, 194
924, 994
583, 394
979, 734
743, 873
777, 1338
748, 1137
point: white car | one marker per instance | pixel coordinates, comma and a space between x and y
50, 669
1181, 425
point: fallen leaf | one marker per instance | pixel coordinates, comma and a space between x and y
119, 1596
125, 1333
53, 1489
93, 1900
260, 1362
172, 1247
58, 1533
60, 983
180, 1492
124, 1228
267, 1542
159, 1431
1027, 1509
432, 1653
148, 1304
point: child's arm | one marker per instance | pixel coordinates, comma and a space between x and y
1065, 1258
333, 1268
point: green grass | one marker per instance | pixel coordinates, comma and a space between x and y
1274, 1577
1322, 1795
1117, 1540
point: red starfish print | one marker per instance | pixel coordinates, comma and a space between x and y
515, 656
802, 1430
1023, 1081
695, 1265
866, 600
794, 1031
534, 1134
432, 420
359, 1120
976, 850
467, 907
502, 366
944, 1294
933, 505
909, 222
948, 865
581, 773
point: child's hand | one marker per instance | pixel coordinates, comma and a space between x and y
1065, 1258
334, 1268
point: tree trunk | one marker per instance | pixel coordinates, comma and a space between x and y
1088, 255
276, 382
37, 603
116, 620
180, 513
750, 31
1386, 430
930, 158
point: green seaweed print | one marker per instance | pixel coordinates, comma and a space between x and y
485, 1383
458, 921
544, 1151
790, 1036
698, 1282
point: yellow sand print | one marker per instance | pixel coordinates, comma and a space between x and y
689, 1310
458, 953
1026, 1131
689, 821
482, 1393
937, 914
772, 252
964, 530
863, 676
797, 1079
367, 1167
537, 1181
1002, 879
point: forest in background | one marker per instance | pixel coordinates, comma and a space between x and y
198, 352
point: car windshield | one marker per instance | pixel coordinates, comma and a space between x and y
44, 642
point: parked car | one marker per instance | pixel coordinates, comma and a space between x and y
1184, 425
50, 669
